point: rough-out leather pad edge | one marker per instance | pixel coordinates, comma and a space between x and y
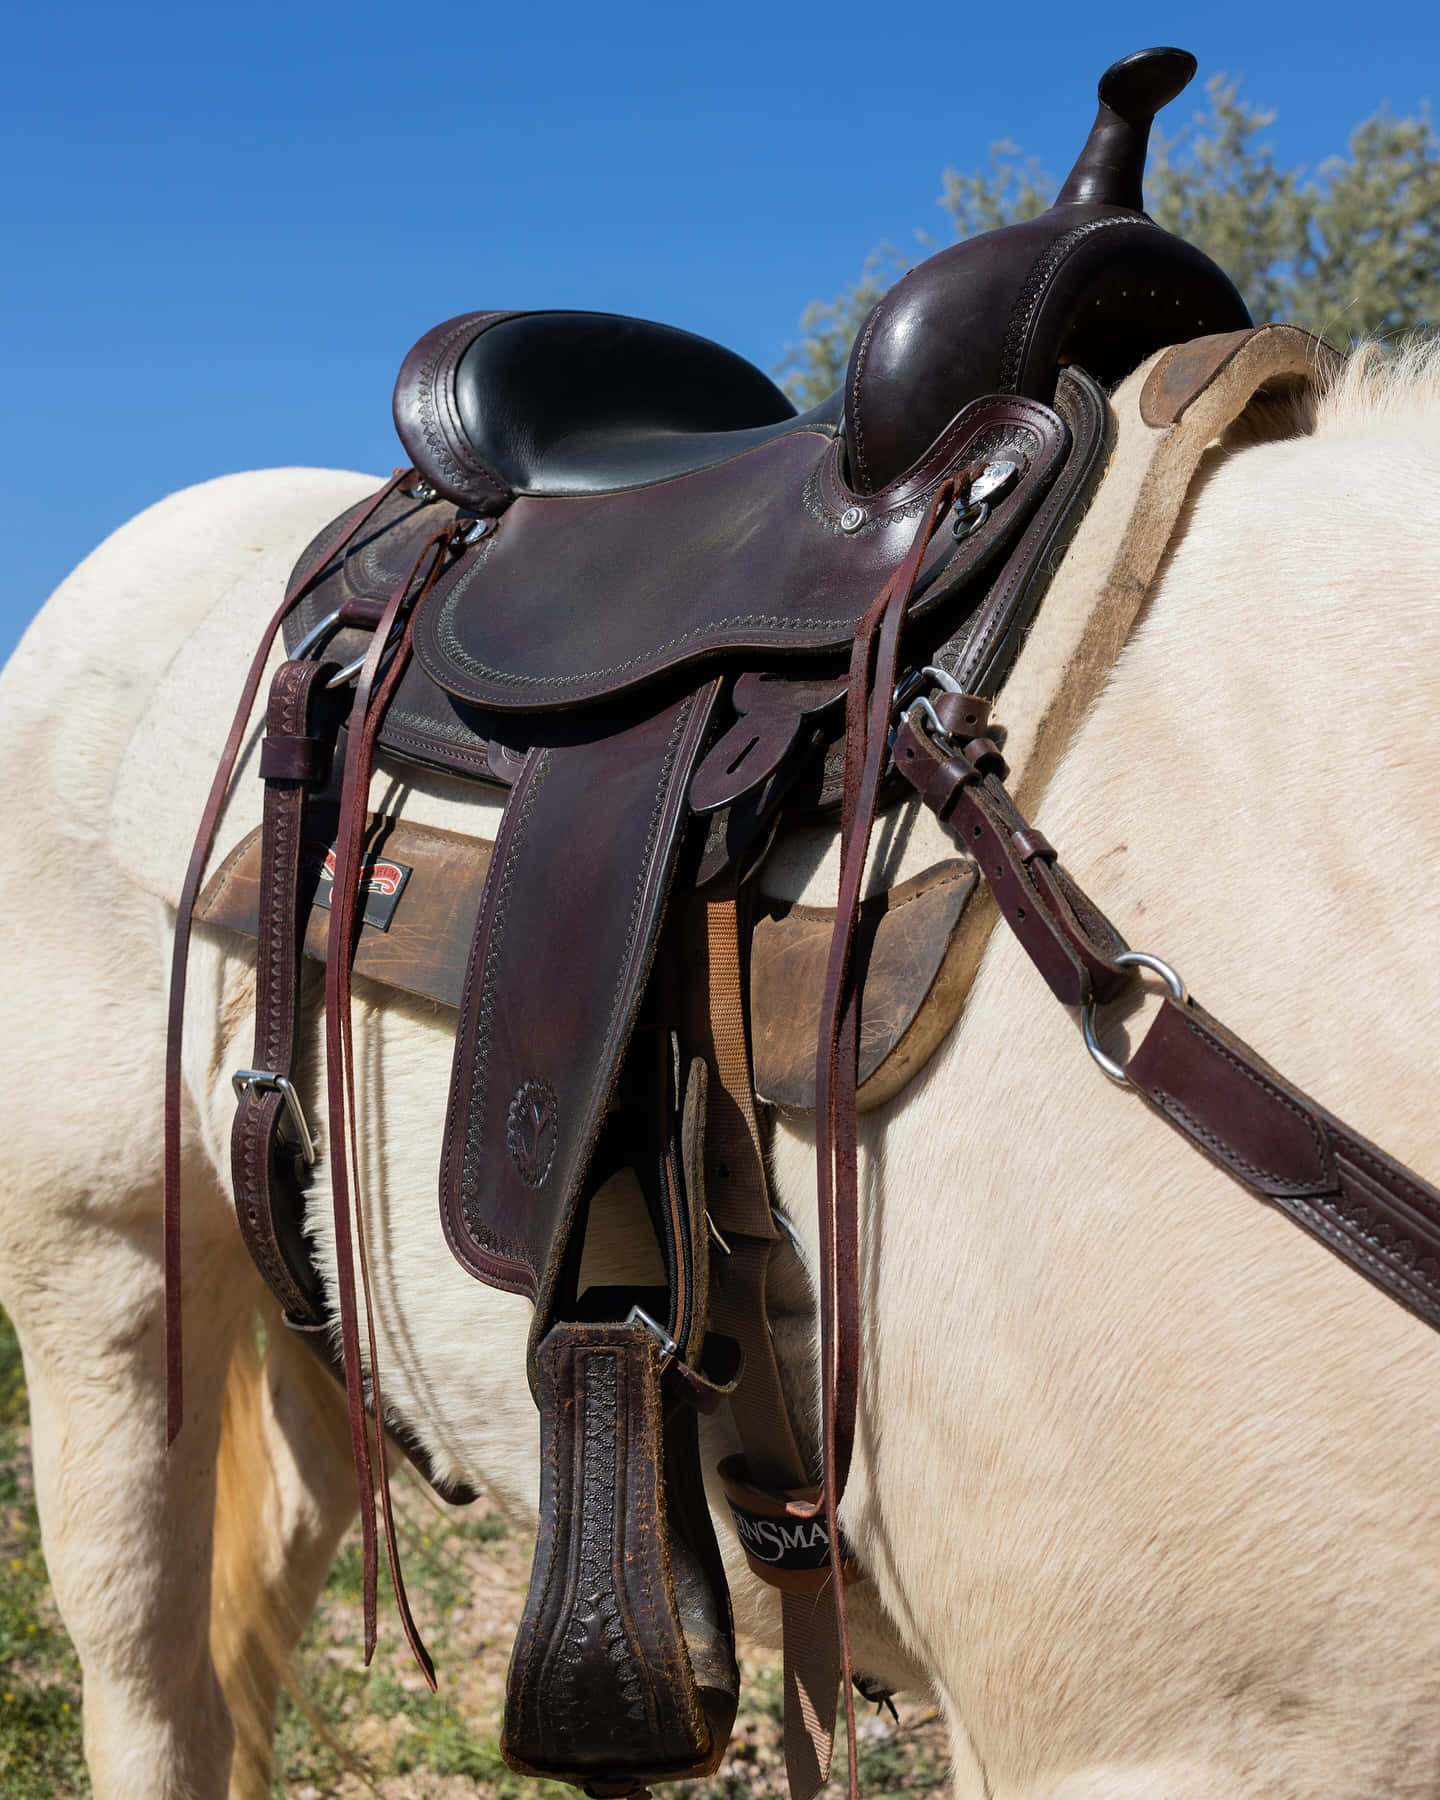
568, 921
573, 600
600, 1685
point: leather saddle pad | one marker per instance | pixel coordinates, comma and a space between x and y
423, 887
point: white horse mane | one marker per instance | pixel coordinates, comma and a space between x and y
1377, 383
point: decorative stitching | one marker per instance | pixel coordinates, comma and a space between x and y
479, 1081
862, 350
1306, 1118
1358, 1212
1022, 314
450, 644
426, 405
1388, 1277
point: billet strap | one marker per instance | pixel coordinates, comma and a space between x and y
180, 950
270, 1146
1371, 1211
771, 1470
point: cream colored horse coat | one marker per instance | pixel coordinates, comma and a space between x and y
1147, 1481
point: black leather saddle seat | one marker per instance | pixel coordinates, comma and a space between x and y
548, 404
593, 403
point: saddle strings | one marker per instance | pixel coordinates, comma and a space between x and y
367, 711
180, 950
874, 664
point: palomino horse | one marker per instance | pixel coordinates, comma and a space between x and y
1144, 1478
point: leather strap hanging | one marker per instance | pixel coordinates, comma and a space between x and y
270, 1145
372, 695
180, 951
771, 1473
1374, 1213
874, 667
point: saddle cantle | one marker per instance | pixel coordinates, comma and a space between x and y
634, 581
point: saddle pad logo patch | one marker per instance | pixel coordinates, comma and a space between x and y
384, 882
532, 1130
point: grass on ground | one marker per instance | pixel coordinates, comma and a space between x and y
386, 1736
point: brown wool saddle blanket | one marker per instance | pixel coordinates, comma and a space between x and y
626, 588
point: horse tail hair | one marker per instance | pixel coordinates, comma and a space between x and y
254, 1619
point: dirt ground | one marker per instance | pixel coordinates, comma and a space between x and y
353, 1732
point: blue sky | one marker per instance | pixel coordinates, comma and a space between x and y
227, 224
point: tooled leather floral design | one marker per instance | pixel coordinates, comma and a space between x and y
532, 1130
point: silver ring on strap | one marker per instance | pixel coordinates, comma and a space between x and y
315, 636
1128, 959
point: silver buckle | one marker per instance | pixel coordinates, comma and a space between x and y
244, 1080
668, 1347
907, 700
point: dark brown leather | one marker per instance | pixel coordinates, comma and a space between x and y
359, 575
583, 403
1359, 1202
564, 941
1035, 902
309, 570
428, 422
623, 1670
266, 1163
282, 867
1092, 281
748, 558
981, 652
426, 723
375, 684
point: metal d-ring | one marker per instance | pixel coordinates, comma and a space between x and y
969, 521
905, 700
921, 704
1128, 959
910, 685
315, 636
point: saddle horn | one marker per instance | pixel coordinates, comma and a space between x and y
1093, 280
1110, 170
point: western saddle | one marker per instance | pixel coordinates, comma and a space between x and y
624, 581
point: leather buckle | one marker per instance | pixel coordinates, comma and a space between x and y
245, 1081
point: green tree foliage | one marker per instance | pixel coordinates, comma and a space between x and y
1350, 251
